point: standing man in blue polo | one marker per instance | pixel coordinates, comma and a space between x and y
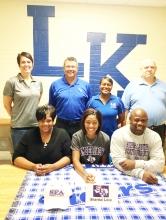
148, 93
69, 95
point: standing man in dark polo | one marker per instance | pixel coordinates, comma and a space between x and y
69, 95
148, 93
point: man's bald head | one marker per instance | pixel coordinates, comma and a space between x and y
138, 112
148, 60
138, 121
148, 69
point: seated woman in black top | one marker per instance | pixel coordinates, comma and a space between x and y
44, 148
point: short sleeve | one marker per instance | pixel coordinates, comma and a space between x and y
75, 142
9, 88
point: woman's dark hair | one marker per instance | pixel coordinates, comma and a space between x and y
91, 111
43, 111
109, 79
24, 54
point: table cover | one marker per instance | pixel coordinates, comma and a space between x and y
136, 199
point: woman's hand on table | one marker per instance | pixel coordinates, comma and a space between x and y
37, 169
42, 170
89, 178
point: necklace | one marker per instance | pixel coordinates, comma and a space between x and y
45, 140
92, 142
45, 144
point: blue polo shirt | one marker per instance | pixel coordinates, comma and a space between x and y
151, 98
109, 111
69, 100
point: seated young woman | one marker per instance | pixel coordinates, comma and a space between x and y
45, 148
90, 145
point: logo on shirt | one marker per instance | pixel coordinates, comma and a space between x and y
137, 150
113, 105
37, 86
91, 159
91, 150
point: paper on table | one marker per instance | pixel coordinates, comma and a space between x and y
102, 195
80, 181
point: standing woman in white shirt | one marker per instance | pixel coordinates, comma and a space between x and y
21, 96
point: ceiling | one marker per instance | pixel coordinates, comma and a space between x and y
151, 3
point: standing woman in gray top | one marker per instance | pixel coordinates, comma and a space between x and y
21, 96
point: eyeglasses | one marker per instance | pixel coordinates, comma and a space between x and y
68, 67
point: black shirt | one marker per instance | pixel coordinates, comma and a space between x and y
32, 148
